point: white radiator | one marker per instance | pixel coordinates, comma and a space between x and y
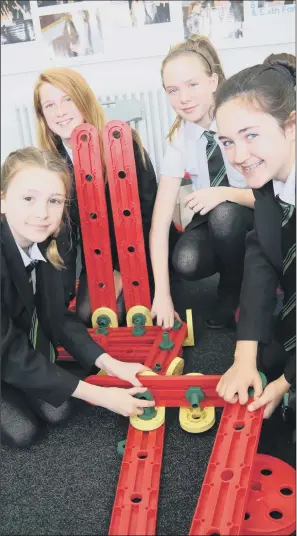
157, 117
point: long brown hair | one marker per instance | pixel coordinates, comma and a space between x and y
74, 85
32, 157
201, 45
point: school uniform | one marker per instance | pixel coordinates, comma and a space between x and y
28, 369
213, 242
147, 188
271, 261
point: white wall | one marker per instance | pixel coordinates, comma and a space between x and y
112, 77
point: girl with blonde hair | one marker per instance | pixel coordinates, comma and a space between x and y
34, 320
63, 100
214, 241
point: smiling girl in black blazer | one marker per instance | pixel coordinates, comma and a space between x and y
34, 321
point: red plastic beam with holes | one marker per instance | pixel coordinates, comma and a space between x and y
123, 187
90, 187
170, 391
224, 493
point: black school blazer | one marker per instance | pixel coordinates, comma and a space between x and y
263, 272
21, 365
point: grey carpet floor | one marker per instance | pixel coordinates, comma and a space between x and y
65, 484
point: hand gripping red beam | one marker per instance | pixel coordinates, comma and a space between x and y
90, 187
136, 501
123, 187
224, 494
170, 391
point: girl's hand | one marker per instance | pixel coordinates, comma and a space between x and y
163, 311
205, 199
235, 383
124, 371
122, 401
271, 397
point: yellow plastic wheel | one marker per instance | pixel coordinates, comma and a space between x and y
189, 341
196, 420
139, 309
106, 312
101, 373
176, 367
155, 422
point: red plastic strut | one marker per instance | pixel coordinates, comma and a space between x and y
224, 494
123, 186
89, 179
136, 500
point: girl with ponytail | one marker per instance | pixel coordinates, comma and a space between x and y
256, 114
34, 319
221, 203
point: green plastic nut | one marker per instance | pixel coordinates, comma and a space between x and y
148, 413
121, 447
103, 322
177, 324
264, 383
139, 321
166, 343
157, 367
194, 395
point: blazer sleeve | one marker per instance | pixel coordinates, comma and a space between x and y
290, 369
29, 370
74, 337
258, 294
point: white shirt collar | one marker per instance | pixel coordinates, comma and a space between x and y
198, 130
34, 254
286, 190
69, 151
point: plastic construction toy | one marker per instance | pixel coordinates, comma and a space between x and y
243, 492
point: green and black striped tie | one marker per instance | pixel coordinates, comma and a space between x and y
216, 165
288, 314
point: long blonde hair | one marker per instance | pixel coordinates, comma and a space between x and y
74, 85
32, 157
201, 45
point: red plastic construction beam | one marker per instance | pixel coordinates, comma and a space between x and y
224, 494
123, 187
90, 187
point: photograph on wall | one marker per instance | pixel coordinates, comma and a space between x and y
46, 3
72, 35
16, 22
269, 21
222, 21
272, 3
135, 13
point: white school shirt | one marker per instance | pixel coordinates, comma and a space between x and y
187, 152
286, 190
34, 254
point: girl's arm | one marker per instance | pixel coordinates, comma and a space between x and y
241, 196
162, 217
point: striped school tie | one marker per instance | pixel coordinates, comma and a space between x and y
36, 334
216, 165
288, 314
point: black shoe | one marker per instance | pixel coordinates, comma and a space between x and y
220, 322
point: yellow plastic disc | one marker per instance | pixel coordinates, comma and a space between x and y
101, 373
136, 310
107, 312
189, 341
154, 423
196, 420
176, 367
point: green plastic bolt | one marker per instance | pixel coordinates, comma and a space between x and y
139, 321
177, 324
194, 395
103, 322
264, 383
121, 447
157, 367
148, 413
166, 343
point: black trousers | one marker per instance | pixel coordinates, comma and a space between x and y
216, 244
23, 418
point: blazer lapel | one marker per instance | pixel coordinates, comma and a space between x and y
16, 266
268, 223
